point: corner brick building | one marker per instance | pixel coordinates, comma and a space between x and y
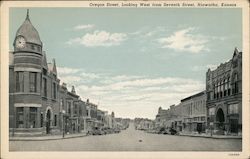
38, 104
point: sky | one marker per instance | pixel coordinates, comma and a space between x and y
132, 61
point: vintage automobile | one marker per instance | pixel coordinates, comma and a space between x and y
97, 131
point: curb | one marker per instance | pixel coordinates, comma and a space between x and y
213, 137
45, 139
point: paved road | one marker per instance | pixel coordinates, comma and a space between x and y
129, 140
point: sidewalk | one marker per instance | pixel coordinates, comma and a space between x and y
213, 136
46, 137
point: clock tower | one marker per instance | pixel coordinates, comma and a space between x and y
27, 74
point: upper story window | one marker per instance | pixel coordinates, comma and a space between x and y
45, 87
54, 90
69, 107
33, 81
20, 81
32, 47
62, 104
75, 109
235, 84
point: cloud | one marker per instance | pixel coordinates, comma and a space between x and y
204, 68
99, 38
185, 41
67, 70
126, 93
84, 27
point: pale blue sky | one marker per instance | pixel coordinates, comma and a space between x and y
132, 61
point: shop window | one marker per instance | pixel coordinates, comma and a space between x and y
33, 116
19, 81
33, 81
20, 117
233, 109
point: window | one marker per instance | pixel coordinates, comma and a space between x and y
20, 81
211, 111
44, 87
229, 87
214, 87
233, 109
44, 71
41, 122
20, 117
32, 47
69, 108
62, 104
225, 87
221, 89
33, 81
55, 120
235, 84
75, 109
33, 115
54, 90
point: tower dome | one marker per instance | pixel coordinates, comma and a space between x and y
29, 32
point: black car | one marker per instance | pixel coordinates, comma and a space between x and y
172, 131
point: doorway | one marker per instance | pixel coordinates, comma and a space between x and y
48, 119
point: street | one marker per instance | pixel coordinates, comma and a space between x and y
130, 140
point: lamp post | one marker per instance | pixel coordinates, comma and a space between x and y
63, 124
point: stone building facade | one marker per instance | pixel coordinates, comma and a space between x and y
224, 96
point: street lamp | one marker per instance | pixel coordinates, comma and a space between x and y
63, 125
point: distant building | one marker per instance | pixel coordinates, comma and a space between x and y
224, 96
194, 112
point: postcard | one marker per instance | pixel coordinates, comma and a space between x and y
125, 79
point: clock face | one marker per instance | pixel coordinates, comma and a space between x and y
20, 42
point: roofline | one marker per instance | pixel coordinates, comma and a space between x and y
195, 95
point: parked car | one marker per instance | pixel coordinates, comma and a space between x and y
97, 131
108, 131
172, 131
161, 130
117, 130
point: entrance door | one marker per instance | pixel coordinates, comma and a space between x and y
220, 119
48, 117
199, 127
233, 125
